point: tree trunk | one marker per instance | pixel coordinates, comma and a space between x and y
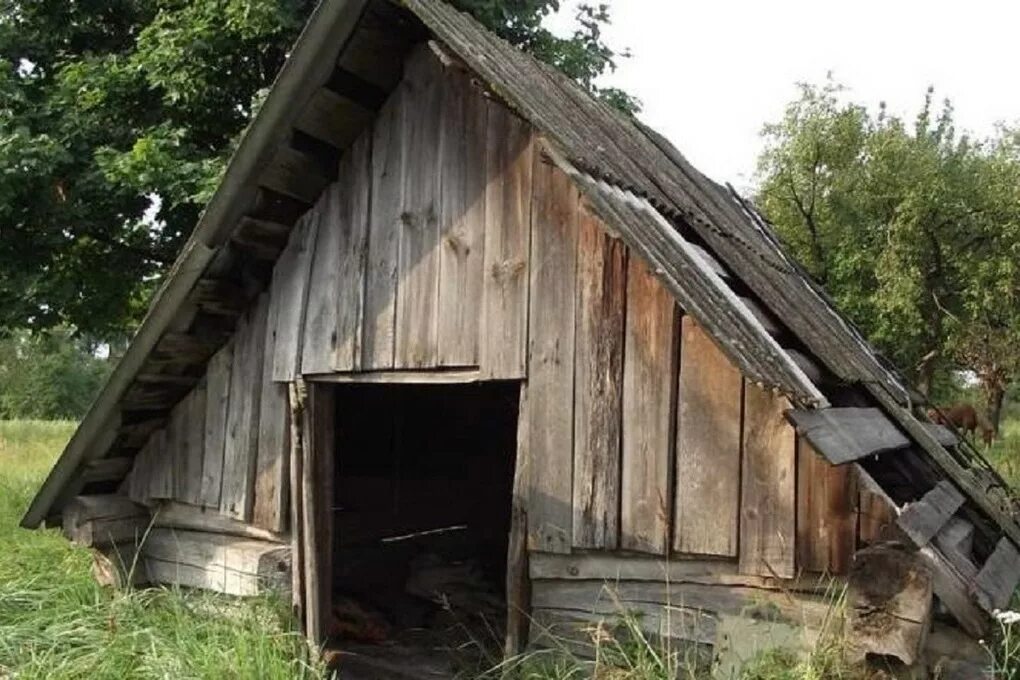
926, 373
995, 392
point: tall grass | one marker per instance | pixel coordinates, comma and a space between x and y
56, 622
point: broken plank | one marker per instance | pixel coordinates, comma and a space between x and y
649, 402
707, 447
598, 384
996, 582
923, 519
844, 435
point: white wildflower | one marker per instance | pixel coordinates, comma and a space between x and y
1007, 617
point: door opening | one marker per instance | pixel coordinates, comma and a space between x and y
421, 515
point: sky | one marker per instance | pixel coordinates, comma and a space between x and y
711, 73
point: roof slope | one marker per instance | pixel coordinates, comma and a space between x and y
712, 250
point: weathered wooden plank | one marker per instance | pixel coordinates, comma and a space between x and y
272, 469
826, 520
649, 403
355, 178
216, 407
388, 149
799, 609
508, 217
518, 585
333, 118
956, 541
598, 384
192, 441
225, 564
876, 516
613, 567
462, 221
997, 580
94, 521
954, 592
289, 291
317, 501
295, 174
844, 435
174, 515
160, 475
550, 411
418, 276
107, 469
138, 478
319, 338
707, 447
241, 446
923, 519
768, 511
447, 376
297, 392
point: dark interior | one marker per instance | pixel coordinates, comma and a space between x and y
421, 515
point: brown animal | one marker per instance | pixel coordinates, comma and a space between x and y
964, 418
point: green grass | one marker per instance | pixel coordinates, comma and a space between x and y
56, 622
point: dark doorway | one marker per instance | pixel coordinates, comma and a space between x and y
424, 477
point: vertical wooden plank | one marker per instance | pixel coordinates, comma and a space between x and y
598, 384
876, 517
418, 275
518, 583
190, 441
161, 470
216, 406
176, 446
768, 486
461, 218
509, 167
272, 469
241, 447
317, 502
387, 197
354, 178
826, 522
550, 404
297, 393
290, 290
141, 471
319, 338
707, 447
649, 391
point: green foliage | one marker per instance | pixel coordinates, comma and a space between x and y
56, 622
116, 120
48, 375
913, 228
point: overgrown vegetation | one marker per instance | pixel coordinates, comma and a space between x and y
48, 375
56, 622
913, 228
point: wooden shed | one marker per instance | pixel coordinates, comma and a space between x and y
445, 306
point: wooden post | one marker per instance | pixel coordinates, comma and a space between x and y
518, 586
297, 392
316, 507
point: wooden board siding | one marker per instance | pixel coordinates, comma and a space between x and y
383, 235
160, 472
188, 424
216, 408
826, 516
708, 448
240, 450
555, 205
598, 384
272, 466
352, 212
319, 339
289, 292
509, 165
417, 310
649, 391
768, 487
463, 119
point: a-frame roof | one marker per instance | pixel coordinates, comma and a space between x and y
710, 248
